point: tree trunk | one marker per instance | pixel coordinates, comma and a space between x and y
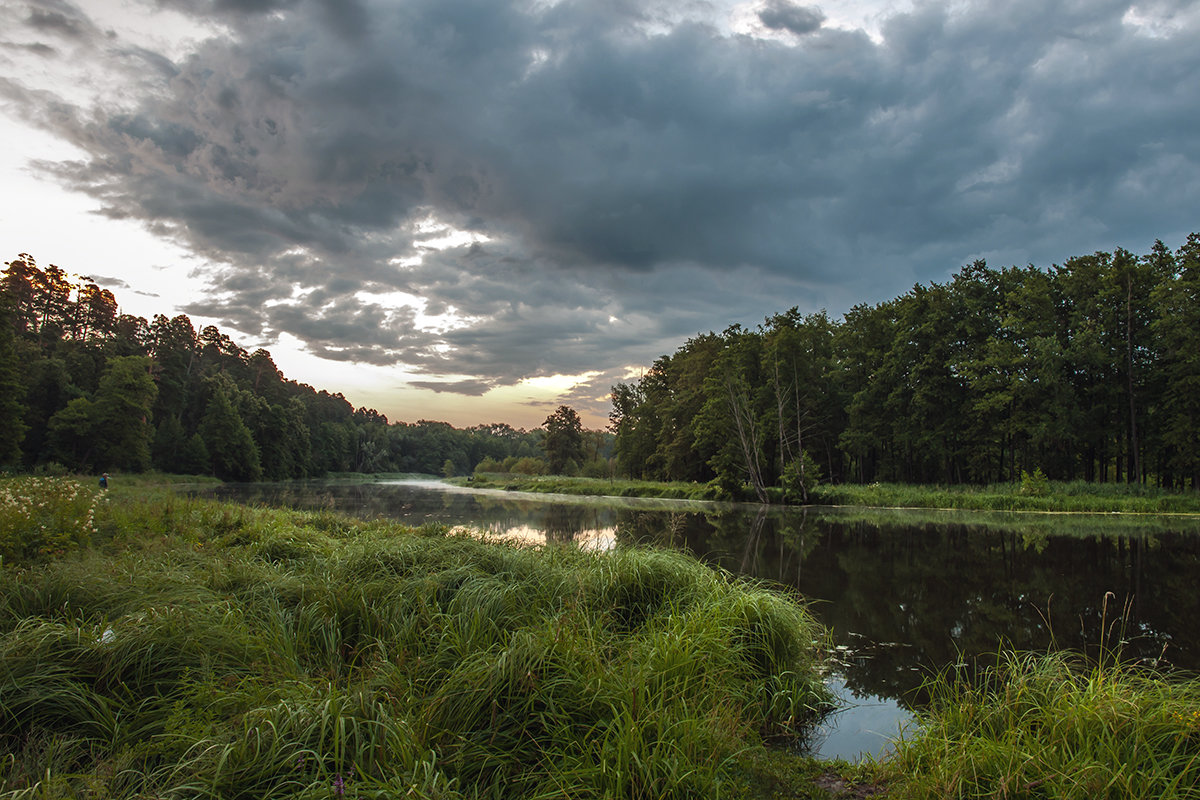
743, 423
1134, 449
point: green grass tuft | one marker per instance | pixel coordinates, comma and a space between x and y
1050, 726
201, 650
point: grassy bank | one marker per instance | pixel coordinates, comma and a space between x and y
1050, 496
1049, 726
169, 647
1054, 496
590, 487
179, 648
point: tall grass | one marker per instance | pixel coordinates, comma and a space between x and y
1052, 726
207, 651
1075, 496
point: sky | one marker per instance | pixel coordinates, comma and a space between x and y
477, 210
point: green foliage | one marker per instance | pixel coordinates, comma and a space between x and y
1088, 371
225, 652
1035, 485
800, 478
488, 465
12, 409
229, 443
74, 401
527, 466
596, 468
1051, 727
120, 414
71, 433
41, 517
562, 440
610, 487
1075, 496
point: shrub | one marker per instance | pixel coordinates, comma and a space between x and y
489, 465
1035, 485
596, 468
529, 466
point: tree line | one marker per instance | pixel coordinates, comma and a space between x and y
85, 387
1085, 371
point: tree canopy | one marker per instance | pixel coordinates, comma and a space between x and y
1089, 370
87, 387
562, 440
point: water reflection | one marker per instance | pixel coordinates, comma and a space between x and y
903, 592
866, 724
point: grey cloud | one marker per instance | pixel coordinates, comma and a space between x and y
37, 48
781, 15
55, 22
471, 388
626, 164
62, 19
109, 282
227, 8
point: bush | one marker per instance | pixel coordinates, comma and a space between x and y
1035, 485
489, 465
529, 466
596, 468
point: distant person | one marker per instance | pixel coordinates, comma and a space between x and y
104, 481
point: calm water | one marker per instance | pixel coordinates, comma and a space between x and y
903, 592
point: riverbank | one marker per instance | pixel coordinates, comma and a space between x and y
174, 647
1048, 496
1054, 727
169, 646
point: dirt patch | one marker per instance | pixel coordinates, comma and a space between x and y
839, 787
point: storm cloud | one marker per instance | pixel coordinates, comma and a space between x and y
782, 15
488, 190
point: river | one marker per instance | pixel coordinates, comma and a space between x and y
904, 592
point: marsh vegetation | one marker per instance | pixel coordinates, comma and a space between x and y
180, 647
188, 648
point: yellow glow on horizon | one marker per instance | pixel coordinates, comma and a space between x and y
556, 383
389, 390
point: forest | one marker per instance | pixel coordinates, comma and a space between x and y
1085, 371
84, 387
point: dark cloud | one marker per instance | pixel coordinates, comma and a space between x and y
780, 15
631, 176
471, 388
61, 19
37, 48
54, 22
111, 283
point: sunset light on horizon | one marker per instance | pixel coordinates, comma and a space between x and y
475, 211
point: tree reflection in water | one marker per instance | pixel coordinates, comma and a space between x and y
904, 593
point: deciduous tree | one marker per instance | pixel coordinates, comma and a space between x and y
563, 440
